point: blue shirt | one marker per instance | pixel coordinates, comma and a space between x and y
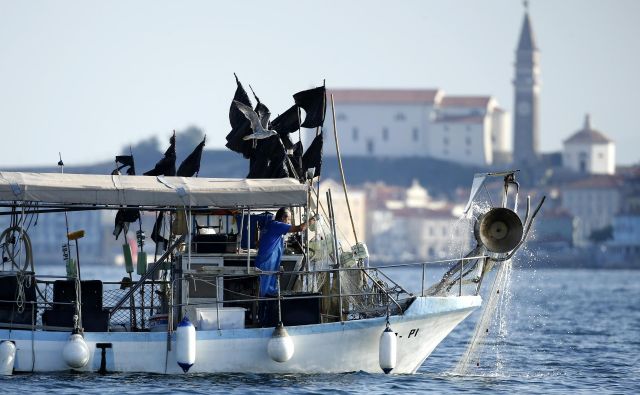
269, 254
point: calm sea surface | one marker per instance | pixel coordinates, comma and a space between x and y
566, 331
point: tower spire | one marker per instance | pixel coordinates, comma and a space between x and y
527, 89
527, 40
587, 122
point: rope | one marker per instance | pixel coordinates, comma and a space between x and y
344, 184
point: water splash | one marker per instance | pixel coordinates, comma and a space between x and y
493, 321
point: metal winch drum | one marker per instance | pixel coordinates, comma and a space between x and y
499, 230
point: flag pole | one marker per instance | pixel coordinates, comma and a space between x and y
344, 184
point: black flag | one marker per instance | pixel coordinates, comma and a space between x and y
268, 160
167, 165
313, 101
313, 156
157, 232
287, 122
126, 160
240, 125
295, 159
191, 165
124, 217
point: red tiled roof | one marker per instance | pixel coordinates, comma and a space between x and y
588, 136
418, 212
465, 101
597, 182
383, 95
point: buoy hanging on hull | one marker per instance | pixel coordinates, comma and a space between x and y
280, 347
186, 344
7, 357
388, 350
75, 352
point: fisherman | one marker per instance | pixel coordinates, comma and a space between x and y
271, 246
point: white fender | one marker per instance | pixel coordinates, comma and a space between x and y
388, 350
186, 344
75, 352
280, 347
7, 357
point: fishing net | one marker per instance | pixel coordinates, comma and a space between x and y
491, 328
350, 281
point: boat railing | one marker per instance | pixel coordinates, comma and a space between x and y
149, 274
133, 306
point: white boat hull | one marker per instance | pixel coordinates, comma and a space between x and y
323, 348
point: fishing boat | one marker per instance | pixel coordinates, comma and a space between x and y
194, 308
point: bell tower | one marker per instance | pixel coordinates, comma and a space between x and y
527, 89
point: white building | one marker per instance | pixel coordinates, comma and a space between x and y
594, 201
589, 151
419, 123
468, 130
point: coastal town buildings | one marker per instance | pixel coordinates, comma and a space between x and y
408, 225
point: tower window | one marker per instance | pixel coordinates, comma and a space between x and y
354, 134
400, 116
341, 117
446, 141
385, 134
468, 140
415, 134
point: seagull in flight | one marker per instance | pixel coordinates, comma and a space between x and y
259, 132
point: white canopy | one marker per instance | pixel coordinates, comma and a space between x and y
90, 189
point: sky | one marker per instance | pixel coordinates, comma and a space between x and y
88, 78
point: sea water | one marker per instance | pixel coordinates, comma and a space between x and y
566, 331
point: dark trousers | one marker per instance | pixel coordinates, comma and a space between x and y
268, 311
